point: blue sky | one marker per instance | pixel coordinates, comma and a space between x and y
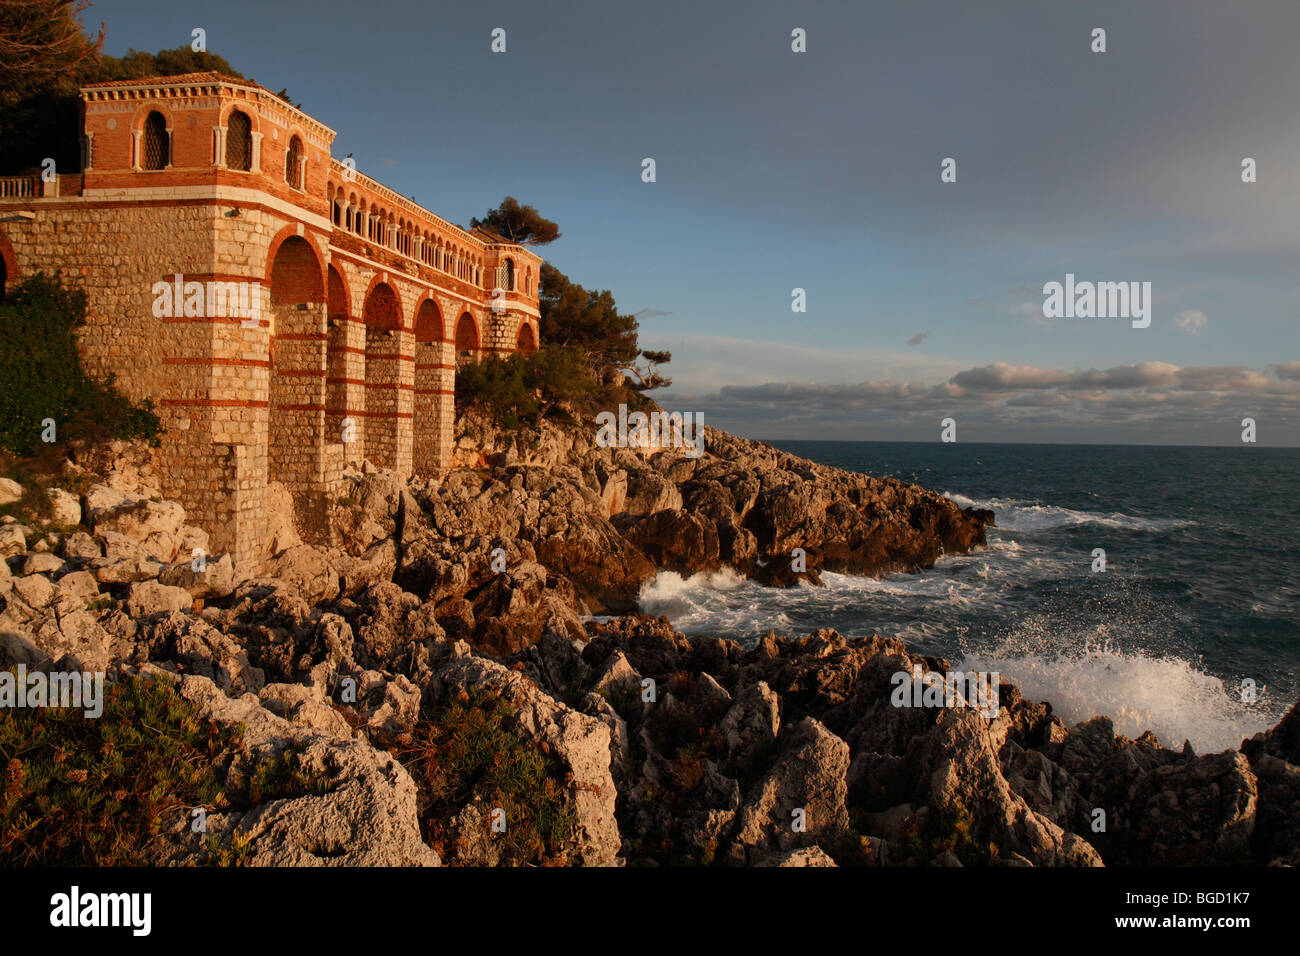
820, 170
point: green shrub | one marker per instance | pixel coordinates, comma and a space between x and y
525, 387
41, 374
467, 747
81, 791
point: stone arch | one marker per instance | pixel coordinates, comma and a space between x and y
526, 341
272, 250
428, 323
382, 316
467, 339
297, 386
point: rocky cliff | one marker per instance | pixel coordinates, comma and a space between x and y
434, 675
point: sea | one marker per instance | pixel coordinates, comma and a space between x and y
1191, 630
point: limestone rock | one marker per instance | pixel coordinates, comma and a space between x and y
66, 507
150, 597
45, 563
365, 816
10, 491
803, 856
581, 743
809, 775
12, 540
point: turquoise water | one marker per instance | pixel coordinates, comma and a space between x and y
1200, 590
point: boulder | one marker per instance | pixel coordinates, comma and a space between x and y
308, 570
362, 812
216, 580
43, 563
34, 590
13, 540
803, 856
10, 491
150, 597
66, 507
801, 799
80, 546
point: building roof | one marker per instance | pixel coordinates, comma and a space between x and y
181, 79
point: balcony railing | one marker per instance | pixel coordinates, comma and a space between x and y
20, 187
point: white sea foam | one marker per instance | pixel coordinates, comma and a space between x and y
1013, 514
1082, 675
1171, 697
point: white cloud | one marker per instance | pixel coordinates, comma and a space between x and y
1191, 321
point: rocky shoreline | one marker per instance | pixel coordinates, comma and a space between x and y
436, 641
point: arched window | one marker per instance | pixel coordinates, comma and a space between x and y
293, 163
239, 142
508, 280
157, 152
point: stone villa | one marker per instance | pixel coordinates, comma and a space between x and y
215, 187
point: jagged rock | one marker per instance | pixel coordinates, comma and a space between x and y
13, 540
80, 546
126, 571
389, 706
803, 856
304, 706
617, 671
150, 597
678, 540
958, 774
42, 564
307, 570
69, 640
613, 494
648, 492
152, 523
10, 491
749, 728
581, 743
79, 585
366, 815
1200, 811
65, 507
199, 648
809, 775
119, 547
34, 590
216, 580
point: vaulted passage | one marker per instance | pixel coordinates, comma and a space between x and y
467, 341
297, 387
525, 341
